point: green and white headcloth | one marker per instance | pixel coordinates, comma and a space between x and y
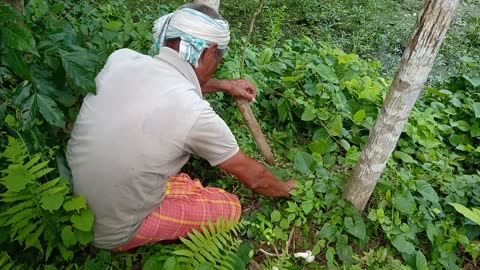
195, 30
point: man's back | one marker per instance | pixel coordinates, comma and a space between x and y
130, 137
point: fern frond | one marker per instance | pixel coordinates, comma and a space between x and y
32, 209
216, 244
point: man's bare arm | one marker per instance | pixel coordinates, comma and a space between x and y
256, 176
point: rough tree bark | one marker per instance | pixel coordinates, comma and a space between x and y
415, 65
215, 4
16, 4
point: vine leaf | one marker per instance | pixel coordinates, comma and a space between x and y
19, 37
84, 221
304, 162
49, 110
51, 202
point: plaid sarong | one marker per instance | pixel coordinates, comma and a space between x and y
187, 205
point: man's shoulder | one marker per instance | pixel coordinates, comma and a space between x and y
126, 54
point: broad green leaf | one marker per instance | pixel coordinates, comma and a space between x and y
402, 245
336, 126
327, 232
427, 191
307, 207
473, 214
19, 37
51, 201
352, 156
17, 178
170, 264
475, 81
113, 25
404, 202
49, 110
404, 157
83, 221
421, 261
476, 109
14, 60
356, 228
359, 116
68, 237
309, 114
154, 262
327, 73
83, 237
7, 13
80, 67
283, 108
275, 216
304, 162
75, 203
265, 56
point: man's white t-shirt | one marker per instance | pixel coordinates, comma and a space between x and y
140, 128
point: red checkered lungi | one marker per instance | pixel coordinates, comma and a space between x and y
186, 206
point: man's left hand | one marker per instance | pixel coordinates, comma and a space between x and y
238, 88
241, 88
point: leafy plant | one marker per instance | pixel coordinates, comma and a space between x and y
38, 211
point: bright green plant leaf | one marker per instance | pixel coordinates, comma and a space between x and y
75, 203
80, 67
49, 110
304, 162
402, 245
7, 13
309, 114
427, 191
83, 221
275, 216
17, 178
327, 232
352, 156
421, 261
473, 214
327, 73
283, 108
51, 201
14, 60
307, 207
336, 126
83, 237
19, 37
356, 228
68, 237
404, 202
404, 157
154, 262
475, 81
359, 116
265, 56
113, 25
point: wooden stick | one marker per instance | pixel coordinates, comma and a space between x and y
255, 129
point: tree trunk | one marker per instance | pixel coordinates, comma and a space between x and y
16, 4
415, 65
215, 4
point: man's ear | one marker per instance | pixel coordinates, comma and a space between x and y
211, 51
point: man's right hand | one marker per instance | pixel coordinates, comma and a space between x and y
256, 176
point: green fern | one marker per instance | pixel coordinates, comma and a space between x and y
215, 247
37, 211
